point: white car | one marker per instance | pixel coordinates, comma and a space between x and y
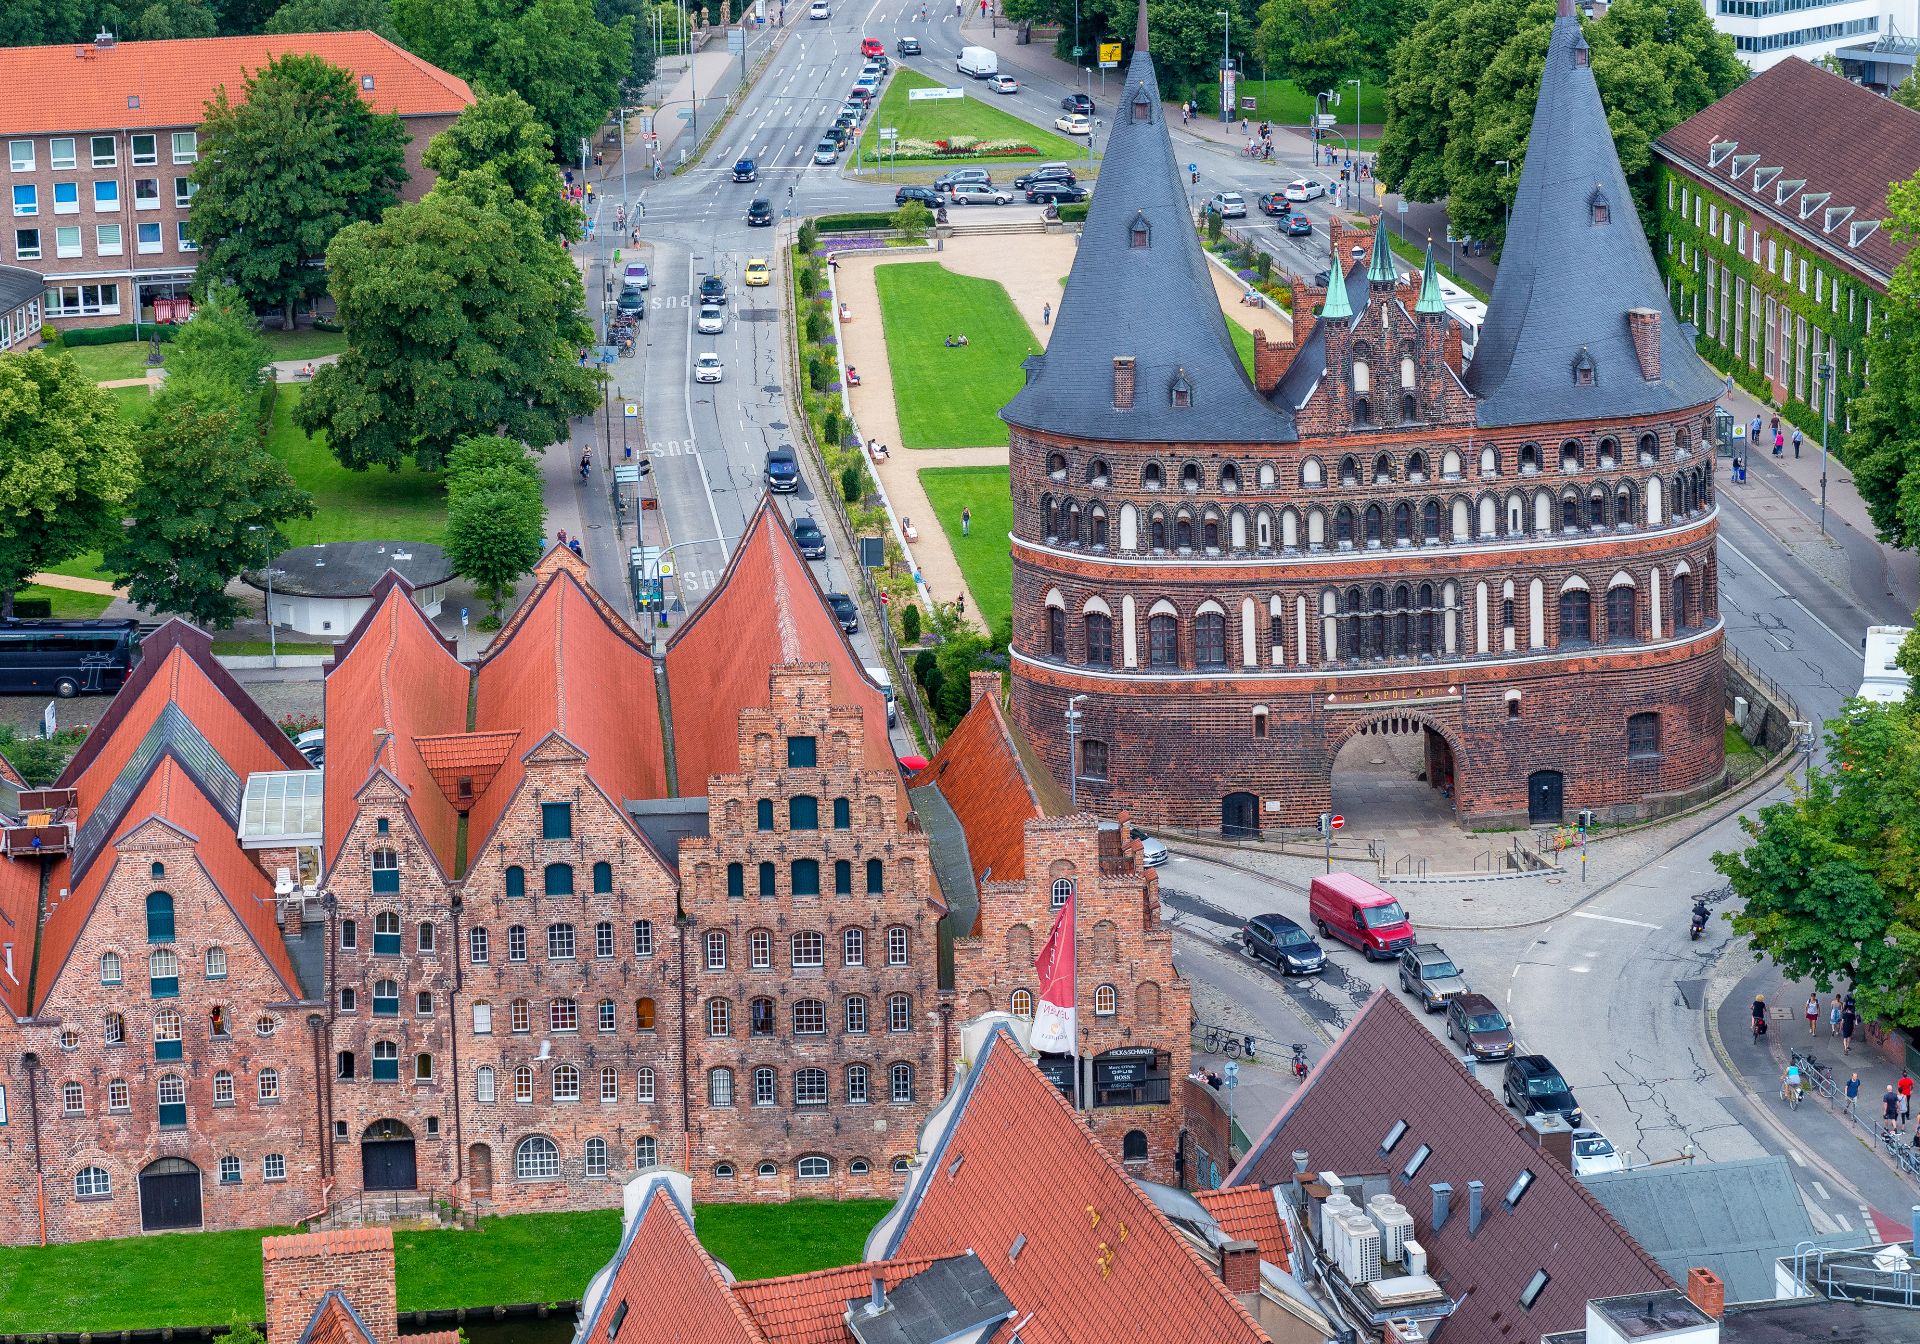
819, 10
1004, 84
706, 369
1152, 852
1594, 1154
1074, 123
711, 323
313, 745
1228, 205
636, 276
1304, 189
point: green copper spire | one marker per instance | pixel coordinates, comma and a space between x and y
1380, 266
1338, 304
1431, 300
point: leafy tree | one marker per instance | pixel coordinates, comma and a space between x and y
910, 623
39, 759
243, 16
462, 319
66, 466
217, 357
645, 60
493, 539
1907, 91
160, 20
44, 23
280, 174
209, 507
1884, 444
1318, 44
332, 16
500, 140
488, 457
913, 219
1186, 34
1461, 94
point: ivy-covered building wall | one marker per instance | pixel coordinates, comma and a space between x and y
1768, 302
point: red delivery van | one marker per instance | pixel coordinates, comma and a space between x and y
1359, 914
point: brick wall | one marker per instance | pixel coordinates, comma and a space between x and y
298, 1271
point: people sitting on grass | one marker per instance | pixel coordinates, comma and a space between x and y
955, 342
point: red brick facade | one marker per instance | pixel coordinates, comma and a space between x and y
1521, 595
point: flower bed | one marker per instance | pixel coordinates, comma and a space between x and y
962, 147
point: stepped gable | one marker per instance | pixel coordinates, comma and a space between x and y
1388, 1067
1018, 1179
566, 665
394, 677
767, 610
173, 795
1141, 290
1576, 276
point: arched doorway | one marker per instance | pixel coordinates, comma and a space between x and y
169, 1195
1240, 816
480, 1169
1545, 797
386, 1157
1394, 771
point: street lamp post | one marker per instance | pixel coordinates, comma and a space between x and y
1226, 65
1826, 409
1355, 183
1507, 165
273, 638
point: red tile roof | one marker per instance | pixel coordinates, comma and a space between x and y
345, 1241
1809, 124
1387, 1066
135, 85
171, 795
767, 610
980, 774
11, 775
335, 1322
1247, 1213
19, 914
670, 1287
567, 664
474, 757
1099, 1262
394, 673
812, 1308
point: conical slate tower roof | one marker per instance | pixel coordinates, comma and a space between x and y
1140, 288
1576, 262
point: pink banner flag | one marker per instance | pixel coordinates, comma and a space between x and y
1053, 1021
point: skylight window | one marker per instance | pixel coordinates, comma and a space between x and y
1718, 151
1535, 1286
1418, 1160
1518, 1189
1394, 1136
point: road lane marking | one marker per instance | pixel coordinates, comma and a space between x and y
1798, 1160
1841, 1219
1820, 1190
1615, 919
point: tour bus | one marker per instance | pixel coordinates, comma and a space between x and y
67, 658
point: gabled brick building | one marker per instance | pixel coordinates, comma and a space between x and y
545, 920
1510, 561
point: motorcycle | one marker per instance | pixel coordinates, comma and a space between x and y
1699, 923
1299, 1064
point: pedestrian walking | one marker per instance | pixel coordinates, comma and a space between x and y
966, 521
1729, 385
1779, 443
1848, 1020
1756, 429
1833, 1017
1853, 1092
1890, 1110
1813, 1014
1796, 442
1905, 1089
1046, 314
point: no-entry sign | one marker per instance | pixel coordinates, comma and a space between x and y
1337, 821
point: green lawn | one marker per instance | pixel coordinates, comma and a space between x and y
260, 648
376, 505
1737, 745
212, 1278
67, 603
1285, 103
133, 403
940, 119
124, 359
1410, 251
306, 343
1242, 342
83, 566
984, 558
950, 397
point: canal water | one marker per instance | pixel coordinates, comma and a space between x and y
481, 1328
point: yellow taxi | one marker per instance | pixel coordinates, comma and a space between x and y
757, 273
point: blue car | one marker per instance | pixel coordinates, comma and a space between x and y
746, 171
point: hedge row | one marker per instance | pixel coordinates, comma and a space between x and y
854, 223
1073, 213
114, 335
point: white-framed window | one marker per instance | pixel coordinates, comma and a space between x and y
60, 152
223, 1088
609, 1084
73, 1099
109, 961
105, 151
26, 247
184, 189
520, 1017
523, 1082
92, 1183
765, 1087
810, 1087
609, 1015
566, 1083
82, 300
66, 198
603, 939
560, 942
857, 1085
902, 1081
642, 937
1105, 1001
563, 1015
146, 193
26, 199
815, 1168
897, 946
1062, 889
536, 1159
265, 1025
853, 949
146, 151
516, 942
809, 949
273, 1167
20, 155
760, 949
229, 1170
106, 195
116, 1029
119, 1097
269, 1087
483, 1019
716, 944
483, 1084
596, 1157
856, 1014
809, 1018
184, 238
186, 146
643, 1085
477, 950
216, 960
899, 1012
646, 1152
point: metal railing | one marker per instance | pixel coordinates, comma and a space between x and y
1814, 1074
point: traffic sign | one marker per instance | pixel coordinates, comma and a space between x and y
631, 410
890, 132
1336, 821
463, 618
666, 569
1233, 1074
1109, 53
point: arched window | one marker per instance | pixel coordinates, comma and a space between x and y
1375, 524
1570, 512
1157, 533
566, 1083
536, 1159
643, 1015
1097, 471
1210, 533
1597, 508
559, 879
1312, 474
1622, 614
901, 1078
523, 1083
159, 917
483, 1085
876, 877
609, 1083
110, 968
1056, 632
1343, 526
1349, 470
1210, 639
1609, 454
596, 1156
814, 1168
602, 878
1489, 462
92, 1183
1057, 466
1572, 457
1098, 527
386, 934
720, 1087
516, 880
1150, 477
1529, 458
1430, 531
1099, 632
719, 1017
809, 949
644, 1084
1403, 523
1682, 602
810, 1087
853, 947
1382, 469
1183, 533
1163, 640
1105, 1001
1133, 1147
1576, 617
1021, 1003
1190, 476
1230, 479
1649, 450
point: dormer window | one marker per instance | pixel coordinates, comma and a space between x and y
1742, 162
1138, 233
1583, 368
1837, 216
1718, 151
1182, 391
1812, 201
1581, 56
1787, 188
1597, 206
1860, 232
1762, 177
1142, 105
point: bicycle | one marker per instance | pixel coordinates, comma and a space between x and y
1791, 1093
1218, 1042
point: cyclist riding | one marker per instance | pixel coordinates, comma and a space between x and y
1790, 1085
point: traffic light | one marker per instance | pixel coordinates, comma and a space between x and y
1586, 819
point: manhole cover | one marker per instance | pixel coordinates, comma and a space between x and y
1555, 881
772, 390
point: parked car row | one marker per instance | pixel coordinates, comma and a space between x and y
859, 102
1049, 184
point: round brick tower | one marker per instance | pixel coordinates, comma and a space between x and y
1510, 559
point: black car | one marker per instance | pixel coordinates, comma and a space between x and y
927, 196
760, 213
1288, 947
844, 611
631, 302
1056, 193
713, 290
839, 133
745, 171
1532, 1086
1050, 172
907, 46
1078, 102
809, 538
783, 470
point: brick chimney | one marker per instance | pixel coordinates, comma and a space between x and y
985, 685
1400, 1331
1240, 1266
1123, 382
1707, 1292
1644, 323
300, 1270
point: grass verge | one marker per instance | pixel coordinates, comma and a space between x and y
1738, 745
126, 359
1242, 343
212, 1278
1284, 102
260, 648
944, 118
68, 605
376, 505
950, 397
306, 343
984, 559
132, 403
1417, 254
